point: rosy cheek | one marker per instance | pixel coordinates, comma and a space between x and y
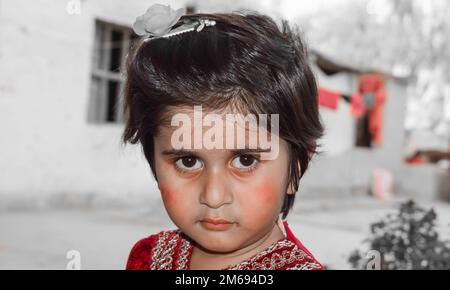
267, 193
260, 201
169, 195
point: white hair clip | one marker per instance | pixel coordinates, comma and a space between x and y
195, 25
158, 20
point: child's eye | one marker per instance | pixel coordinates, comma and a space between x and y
245, 162
188, 163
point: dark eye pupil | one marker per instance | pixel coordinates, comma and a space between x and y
246, 160
188, 161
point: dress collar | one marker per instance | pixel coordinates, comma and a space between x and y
173, 251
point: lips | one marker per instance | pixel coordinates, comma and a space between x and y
216, 221
216, 224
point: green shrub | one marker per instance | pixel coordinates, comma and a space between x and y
407, 240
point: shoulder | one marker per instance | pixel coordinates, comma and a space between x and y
302, 257
140, 256
282, 255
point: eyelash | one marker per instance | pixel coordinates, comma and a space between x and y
252, 167
182, 170
246, 170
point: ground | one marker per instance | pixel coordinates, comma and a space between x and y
329, 227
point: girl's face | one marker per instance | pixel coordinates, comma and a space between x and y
242, 194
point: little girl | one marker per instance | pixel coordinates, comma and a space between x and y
225, 187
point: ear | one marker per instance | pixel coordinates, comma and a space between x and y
290, 189
311, 153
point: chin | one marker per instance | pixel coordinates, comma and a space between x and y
220, 249
217, 245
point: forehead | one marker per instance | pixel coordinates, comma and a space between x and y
195, 129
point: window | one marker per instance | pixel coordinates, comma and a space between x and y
111, 46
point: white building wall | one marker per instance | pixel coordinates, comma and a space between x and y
339, 125
46, 52
45, 74
344, 168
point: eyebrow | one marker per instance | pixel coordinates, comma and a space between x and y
183, 152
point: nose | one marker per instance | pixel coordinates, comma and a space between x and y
215, 191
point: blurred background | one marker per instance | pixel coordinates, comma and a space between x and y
67, 183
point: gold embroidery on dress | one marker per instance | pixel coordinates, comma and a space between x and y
273, 260
164, 250
162, 255
184, 252
156, 251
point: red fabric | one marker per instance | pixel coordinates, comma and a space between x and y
328, 99
374, 83
140, 257
416, 160
290, 236
357, 108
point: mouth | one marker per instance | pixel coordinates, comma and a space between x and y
216, 224
216, 221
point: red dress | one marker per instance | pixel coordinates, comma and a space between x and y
171, 250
